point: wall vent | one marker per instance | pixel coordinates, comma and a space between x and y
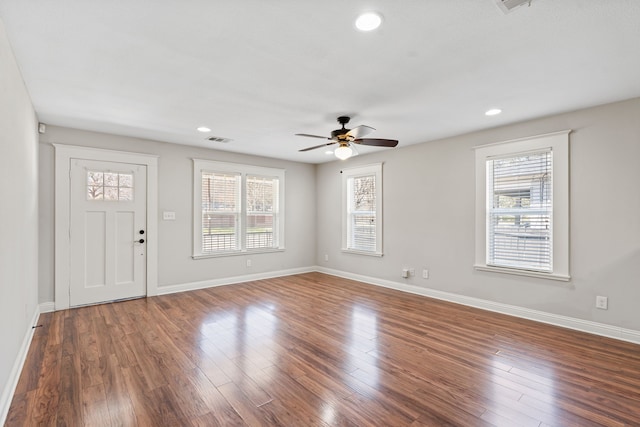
507, 6
219, 139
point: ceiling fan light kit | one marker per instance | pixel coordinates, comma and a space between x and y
343, 152
345, 137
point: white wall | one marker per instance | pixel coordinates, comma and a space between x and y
175, 183
429, 217
18, 220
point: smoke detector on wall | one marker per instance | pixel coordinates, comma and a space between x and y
507, 6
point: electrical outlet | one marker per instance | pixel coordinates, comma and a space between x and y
412, 272
425, 274
602, 302
326, 257
248, 263
405, 273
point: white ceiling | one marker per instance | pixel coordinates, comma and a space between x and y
259, 71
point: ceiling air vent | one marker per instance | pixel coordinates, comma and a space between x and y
219, 139
507, 6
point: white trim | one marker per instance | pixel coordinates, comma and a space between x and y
47, 307
587, 326
353, 251
63, 155
18, 364
183, 287
526, 138
558, 142
529, 273
374, 169
236, 253
202, 165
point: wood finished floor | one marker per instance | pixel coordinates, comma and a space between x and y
316, 350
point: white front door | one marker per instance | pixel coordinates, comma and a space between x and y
107, 231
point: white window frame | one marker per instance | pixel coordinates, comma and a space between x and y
350, 173
201, 166
558, 143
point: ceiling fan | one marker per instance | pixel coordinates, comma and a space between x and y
346, 137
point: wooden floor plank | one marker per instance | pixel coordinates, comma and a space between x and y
318, 350
95, 410
249, 413
69, 412
121, 410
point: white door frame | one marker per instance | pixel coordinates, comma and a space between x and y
62, 246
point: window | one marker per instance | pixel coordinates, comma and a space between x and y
520, 211
362, 210
220, 212
237, 208
522, 206
110, 186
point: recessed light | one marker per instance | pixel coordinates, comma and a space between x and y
493, 112
204, 129
328, 152
368, 21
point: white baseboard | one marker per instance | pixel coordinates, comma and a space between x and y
601, 329
164, 290
14, 375
47, 307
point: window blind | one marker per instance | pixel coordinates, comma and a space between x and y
362, 213
262, 212
519, 211
220, 211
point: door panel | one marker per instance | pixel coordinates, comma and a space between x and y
108, 210
125, 229
94, 248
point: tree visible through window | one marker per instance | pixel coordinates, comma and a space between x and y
362, 213
220, 211
261, 199
110, 186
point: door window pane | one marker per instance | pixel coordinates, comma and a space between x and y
109, 186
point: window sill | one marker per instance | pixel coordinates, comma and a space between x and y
528, 273
237, 253
356, 252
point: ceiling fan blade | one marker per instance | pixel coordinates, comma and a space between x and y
318, 146
360, 131
376, 142
311, 136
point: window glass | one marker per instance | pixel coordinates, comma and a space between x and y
238, 208
362, 210
522, 207
109, 186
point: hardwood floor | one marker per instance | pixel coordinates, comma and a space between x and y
316, 350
